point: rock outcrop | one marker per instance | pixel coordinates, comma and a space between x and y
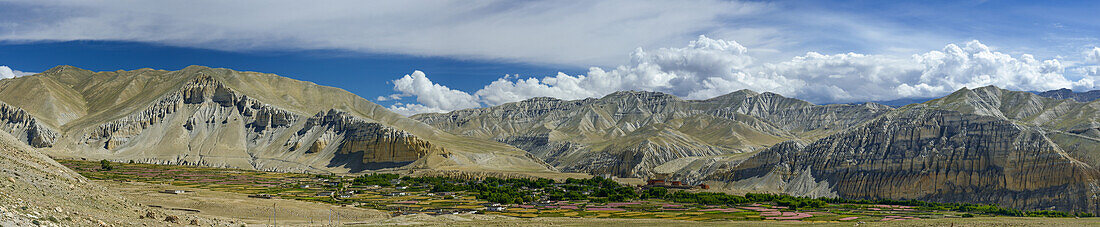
25, 127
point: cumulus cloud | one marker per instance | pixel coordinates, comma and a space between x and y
976, 65
430, 97
708, 67
680, 71
7, 72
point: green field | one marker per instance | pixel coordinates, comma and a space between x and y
579, 198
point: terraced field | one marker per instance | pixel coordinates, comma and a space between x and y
656, 209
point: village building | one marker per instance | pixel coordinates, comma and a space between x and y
173, 191
262, 196
661, 180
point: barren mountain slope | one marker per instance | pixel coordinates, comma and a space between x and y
225, 118
34, 188
629, 133
1068, 115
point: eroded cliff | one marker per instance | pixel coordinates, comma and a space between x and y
932, 155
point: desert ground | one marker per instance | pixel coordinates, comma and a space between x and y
252, 211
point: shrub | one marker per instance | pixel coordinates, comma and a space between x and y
105, 165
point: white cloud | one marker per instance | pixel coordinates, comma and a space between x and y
6, 72
712, 67
430, 97
846, 77
1093, 56
976, 65
680, 71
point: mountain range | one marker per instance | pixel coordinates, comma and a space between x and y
980, 145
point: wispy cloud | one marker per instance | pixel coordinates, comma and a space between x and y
571, 32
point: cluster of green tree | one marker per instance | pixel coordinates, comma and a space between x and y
712, 198
519, 190
962, 207
382, 179
502, 191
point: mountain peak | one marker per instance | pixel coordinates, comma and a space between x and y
195, 68
744, 92
649, 95
65, 68
734, 96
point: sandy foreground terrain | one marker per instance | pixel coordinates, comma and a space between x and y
257, 212
252, 211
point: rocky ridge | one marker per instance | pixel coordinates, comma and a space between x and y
1064, 93
629, 133
1025, 108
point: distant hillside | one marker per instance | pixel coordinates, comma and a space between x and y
1063, 93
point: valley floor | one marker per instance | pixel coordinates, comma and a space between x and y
257, 212
473, 220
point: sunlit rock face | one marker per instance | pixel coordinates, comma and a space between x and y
375, 142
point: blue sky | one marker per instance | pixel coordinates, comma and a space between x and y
433, 56
365, 74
